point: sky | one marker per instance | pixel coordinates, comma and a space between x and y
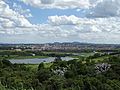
47, 21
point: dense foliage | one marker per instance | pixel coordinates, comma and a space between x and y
62, 75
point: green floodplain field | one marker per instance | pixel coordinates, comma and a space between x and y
34, 66
80, 56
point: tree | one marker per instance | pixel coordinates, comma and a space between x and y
1, 64
57, 59
57, 82
69, 74
6, 62
41, 66
43, 75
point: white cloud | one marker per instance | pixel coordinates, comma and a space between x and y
59, 4
47, 1
78, 10
95, 8
86, 25
8, 13
11, 21
25, 12
63, 20
104, 8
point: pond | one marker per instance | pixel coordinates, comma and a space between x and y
37, 60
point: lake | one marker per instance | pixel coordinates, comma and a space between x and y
37, 60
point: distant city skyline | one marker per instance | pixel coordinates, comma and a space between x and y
48, 21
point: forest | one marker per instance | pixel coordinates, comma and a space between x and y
77, 74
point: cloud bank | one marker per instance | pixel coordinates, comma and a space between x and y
101, 23
96, 8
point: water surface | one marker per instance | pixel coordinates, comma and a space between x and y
37, 60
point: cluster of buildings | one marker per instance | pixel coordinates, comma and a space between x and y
62, 46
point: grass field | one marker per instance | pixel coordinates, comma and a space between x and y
25, 57
100, 59
32, 66
35, 66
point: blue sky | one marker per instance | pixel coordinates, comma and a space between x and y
41, 15
43, 21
